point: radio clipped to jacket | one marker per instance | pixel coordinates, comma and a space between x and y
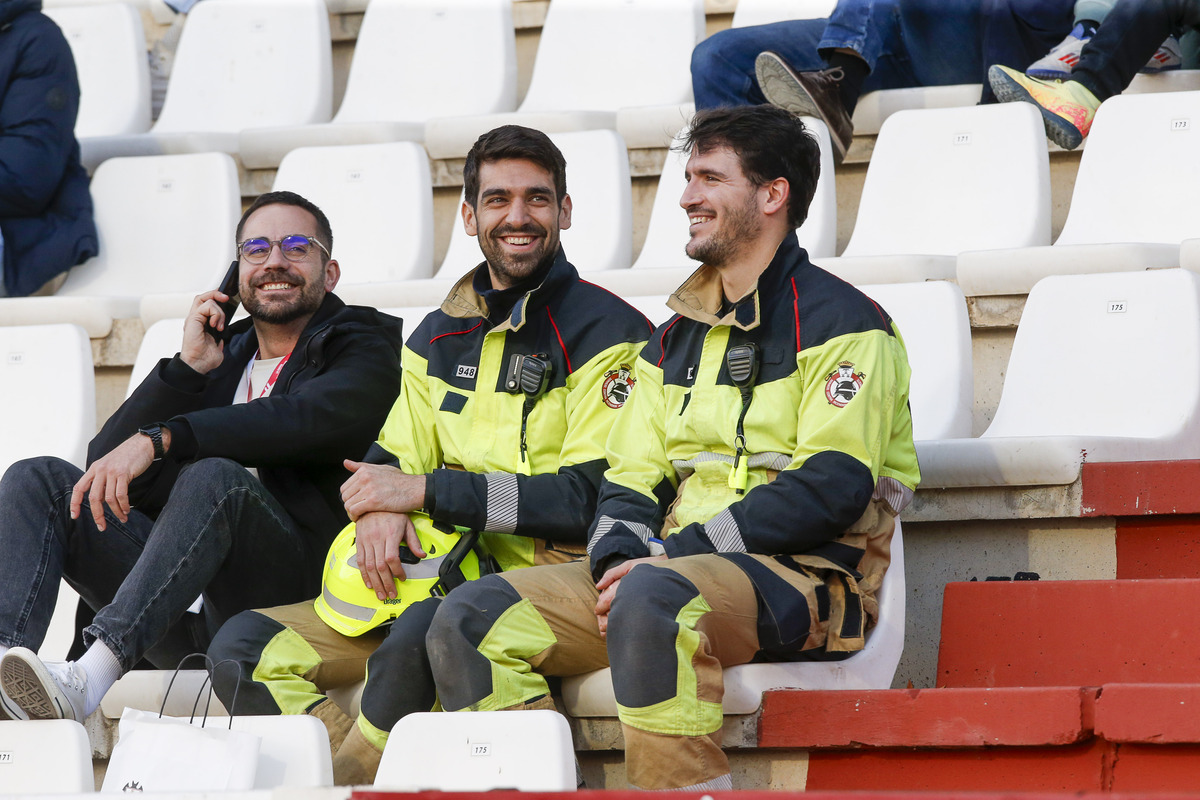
528, 375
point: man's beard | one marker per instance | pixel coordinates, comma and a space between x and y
515, 270
311, 296
720, 247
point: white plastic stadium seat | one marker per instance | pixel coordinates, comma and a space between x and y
409, 67
1189, 254
476, 751
412, 316
932, 318
579, 80
1132, 204
667, 233
166, 225
379, 200
109, 46
45, 757
48, 402
145, 690
874, 667
942, 181
601, 232
161, 340
240, 64
294, 752
1082, 383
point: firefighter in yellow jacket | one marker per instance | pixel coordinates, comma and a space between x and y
755, 479
509, 393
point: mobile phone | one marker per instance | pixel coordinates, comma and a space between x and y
229, 288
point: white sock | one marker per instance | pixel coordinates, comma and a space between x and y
103, 669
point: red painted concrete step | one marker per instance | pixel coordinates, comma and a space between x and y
1069, 633
1015, 717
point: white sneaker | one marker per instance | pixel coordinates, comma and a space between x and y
53, 690
1058, 63
1167, 57
9, 709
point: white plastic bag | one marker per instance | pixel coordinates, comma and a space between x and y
170, 754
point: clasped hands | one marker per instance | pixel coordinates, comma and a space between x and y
378, 498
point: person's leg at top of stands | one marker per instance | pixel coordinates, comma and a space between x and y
1131, 34
524, 469
1089, 14
820, 68
769, 429
168, 511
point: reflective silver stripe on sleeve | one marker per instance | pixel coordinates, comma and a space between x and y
724, 533
606, 524
502, 500
894, 493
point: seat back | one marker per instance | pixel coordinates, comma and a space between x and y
667, 233
1089, 351
932, 318
109, 47
48, 402
1137, 172
412, 316
45, 757
475, 751
601, 232
379, 200
165, 224
161, 340
294, 752
409, 62
945, 180
249, 64
764, 12
601, 55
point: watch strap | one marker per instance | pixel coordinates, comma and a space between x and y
154, 433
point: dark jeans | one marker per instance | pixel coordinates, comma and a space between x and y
906, 43
221, 534
1131, 33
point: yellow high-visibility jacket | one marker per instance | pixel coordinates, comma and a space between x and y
826, 430
456, 421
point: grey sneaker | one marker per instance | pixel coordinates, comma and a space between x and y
9, 709
808, 94
54, 690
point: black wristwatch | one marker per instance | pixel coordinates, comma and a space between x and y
154, 431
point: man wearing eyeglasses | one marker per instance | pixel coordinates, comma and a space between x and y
219, 476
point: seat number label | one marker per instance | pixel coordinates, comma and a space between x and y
6, 757
1181, 124
481, 749
962, 138
1116, 306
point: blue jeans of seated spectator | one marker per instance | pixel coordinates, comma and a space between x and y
1130, 35
221, 534
906, 43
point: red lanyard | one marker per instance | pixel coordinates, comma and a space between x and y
270, 381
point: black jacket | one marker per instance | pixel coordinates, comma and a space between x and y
45, 204
329, 404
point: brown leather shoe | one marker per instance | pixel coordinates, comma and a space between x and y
808, 94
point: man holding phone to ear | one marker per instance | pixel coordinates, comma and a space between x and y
219, 476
